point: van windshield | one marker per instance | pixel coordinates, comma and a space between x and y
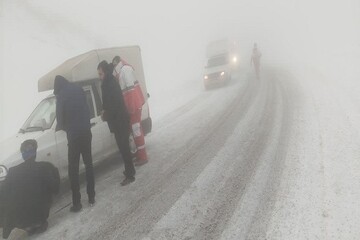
42, 117
218, 61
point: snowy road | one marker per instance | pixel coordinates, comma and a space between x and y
213, 163
242, 162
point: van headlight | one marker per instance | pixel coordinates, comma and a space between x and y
206, 77
3, 173
222, 73
234, 59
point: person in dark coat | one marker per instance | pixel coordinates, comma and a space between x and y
73, 116
117, 117
28, 191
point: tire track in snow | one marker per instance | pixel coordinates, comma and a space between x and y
255, 201
240, 182
274, 168
188, 216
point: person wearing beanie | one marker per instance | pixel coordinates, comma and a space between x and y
28, 191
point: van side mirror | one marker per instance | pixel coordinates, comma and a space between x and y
148, 95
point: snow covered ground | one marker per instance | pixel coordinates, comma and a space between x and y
321, 175
270, 159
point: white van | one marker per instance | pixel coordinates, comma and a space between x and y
52, 145
222, 59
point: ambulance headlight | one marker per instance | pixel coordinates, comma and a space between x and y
3, 173
222, 73
206, 77
234, 59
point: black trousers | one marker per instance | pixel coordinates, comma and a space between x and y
81, 146
33, 214
122, 140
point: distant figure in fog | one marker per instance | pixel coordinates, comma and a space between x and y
28, 191
73, 116
134, 101
255, 59
117, 117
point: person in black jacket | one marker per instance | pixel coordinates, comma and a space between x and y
73, 116
28, 191
117, 117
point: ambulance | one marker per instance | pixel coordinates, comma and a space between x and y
222, 60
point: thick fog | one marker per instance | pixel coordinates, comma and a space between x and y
36, 36
270, 154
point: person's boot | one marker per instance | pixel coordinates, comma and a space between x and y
91, 201
127, 181
76, 208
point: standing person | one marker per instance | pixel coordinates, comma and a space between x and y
28, 191
255, 59
134, 100
117, 117
73, 116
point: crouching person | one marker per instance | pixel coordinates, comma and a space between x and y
28, 191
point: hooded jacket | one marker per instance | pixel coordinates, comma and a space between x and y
115, 112
72, 110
